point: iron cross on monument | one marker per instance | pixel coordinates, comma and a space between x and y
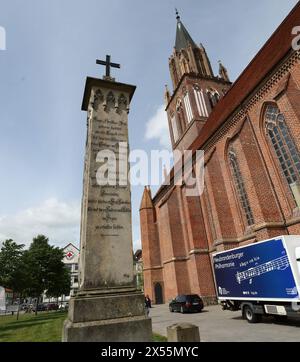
108, 65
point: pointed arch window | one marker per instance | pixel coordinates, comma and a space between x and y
180, 118
213, 97
216, 97
188, 107
175, 129
284, 147
200, 101
240, 188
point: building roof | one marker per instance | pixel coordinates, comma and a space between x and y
70, 244
274, 50
183, 38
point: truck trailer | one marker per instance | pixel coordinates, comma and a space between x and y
259, 279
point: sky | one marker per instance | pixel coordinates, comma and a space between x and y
52, 46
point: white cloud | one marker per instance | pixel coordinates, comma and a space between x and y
157, 128
58, 220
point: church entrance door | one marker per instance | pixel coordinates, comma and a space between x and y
158, 293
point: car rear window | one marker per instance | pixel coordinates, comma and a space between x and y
193, 298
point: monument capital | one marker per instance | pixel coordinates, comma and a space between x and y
106, 84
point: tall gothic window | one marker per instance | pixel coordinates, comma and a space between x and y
284, 146
188, 107
175, 130
200, 101
240, 188
180, 117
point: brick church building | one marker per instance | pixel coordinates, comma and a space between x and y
250, 132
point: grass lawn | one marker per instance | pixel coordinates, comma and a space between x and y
159, 338
45, 327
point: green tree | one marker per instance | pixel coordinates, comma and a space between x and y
44, 267
10, 260
60, 283
12, 268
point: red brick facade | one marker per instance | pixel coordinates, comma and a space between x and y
252, 181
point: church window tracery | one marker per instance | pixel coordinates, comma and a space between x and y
283, 145
188, 107
200, 101
240, 187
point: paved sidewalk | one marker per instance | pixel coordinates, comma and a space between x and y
216, 325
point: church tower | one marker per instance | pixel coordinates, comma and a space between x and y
196, 90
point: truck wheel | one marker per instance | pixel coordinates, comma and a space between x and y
250, 315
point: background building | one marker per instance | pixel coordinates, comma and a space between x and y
71, 259
250, 132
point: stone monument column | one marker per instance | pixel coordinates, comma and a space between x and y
107, 306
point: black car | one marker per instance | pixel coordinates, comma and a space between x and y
40, 308
52, 306
186, 303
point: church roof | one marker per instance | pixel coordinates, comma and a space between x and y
183, 38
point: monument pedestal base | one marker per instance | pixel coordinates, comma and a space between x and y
135, 329
119, 317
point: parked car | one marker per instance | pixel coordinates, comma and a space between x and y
186, 303
52, 306
40, 307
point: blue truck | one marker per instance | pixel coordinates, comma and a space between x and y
260, 279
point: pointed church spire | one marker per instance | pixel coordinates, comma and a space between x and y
167, 95
146, 202
183, 38
223, 73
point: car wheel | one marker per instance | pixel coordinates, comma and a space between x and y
250, 315
171, 309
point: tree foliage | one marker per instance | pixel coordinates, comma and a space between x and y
36, 270
45, 268
12, 266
